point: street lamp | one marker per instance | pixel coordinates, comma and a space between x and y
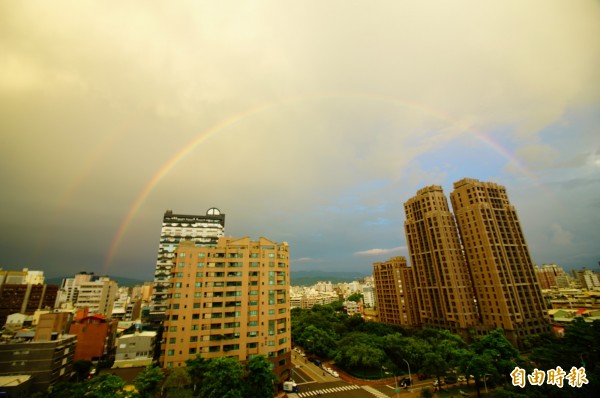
409, 376
397, 390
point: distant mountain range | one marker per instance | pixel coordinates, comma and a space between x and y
298, 278
308, 278
121, 280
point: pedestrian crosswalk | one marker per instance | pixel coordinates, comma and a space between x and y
330, 390
375, 392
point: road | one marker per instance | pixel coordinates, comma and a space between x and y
314, 382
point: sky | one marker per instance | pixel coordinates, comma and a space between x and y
310, 122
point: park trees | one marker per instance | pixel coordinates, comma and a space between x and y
444, 351
260, 379
148, 382
222, 379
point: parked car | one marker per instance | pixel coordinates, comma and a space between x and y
461, 379
450, 379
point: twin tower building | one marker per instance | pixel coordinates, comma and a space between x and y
471, 271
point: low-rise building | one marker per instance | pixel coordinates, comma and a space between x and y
95, 336
46, 361
135, 350
15, 386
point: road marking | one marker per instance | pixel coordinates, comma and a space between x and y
375, 392
329, 390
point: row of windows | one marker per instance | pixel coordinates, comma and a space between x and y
231, 255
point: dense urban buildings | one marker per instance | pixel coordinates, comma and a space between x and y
393, 284
441, 277
202, 230
24, 292
229, 299
506, 288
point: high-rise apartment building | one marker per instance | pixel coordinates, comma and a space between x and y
394, 289
551, 276
98, 296
229, 299
201, 230
505, 285
588, 279
443, 288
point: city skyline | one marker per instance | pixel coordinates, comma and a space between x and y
306, 123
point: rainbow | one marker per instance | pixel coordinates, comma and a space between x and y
232, 120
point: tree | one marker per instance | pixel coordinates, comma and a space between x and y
223, 379
399, 349
502, 353
105, 386
356, 297
444, 351
360, 351
260, 379
176, 382
148, 382
317, 341
63, 389
196, 369
479, 365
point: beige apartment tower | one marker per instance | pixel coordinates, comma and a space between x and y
394, 290
505, 285
443, 288
230, 299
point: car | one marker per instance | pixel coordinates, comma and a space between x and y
461, 379
435, 383
450, 379
405, 382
